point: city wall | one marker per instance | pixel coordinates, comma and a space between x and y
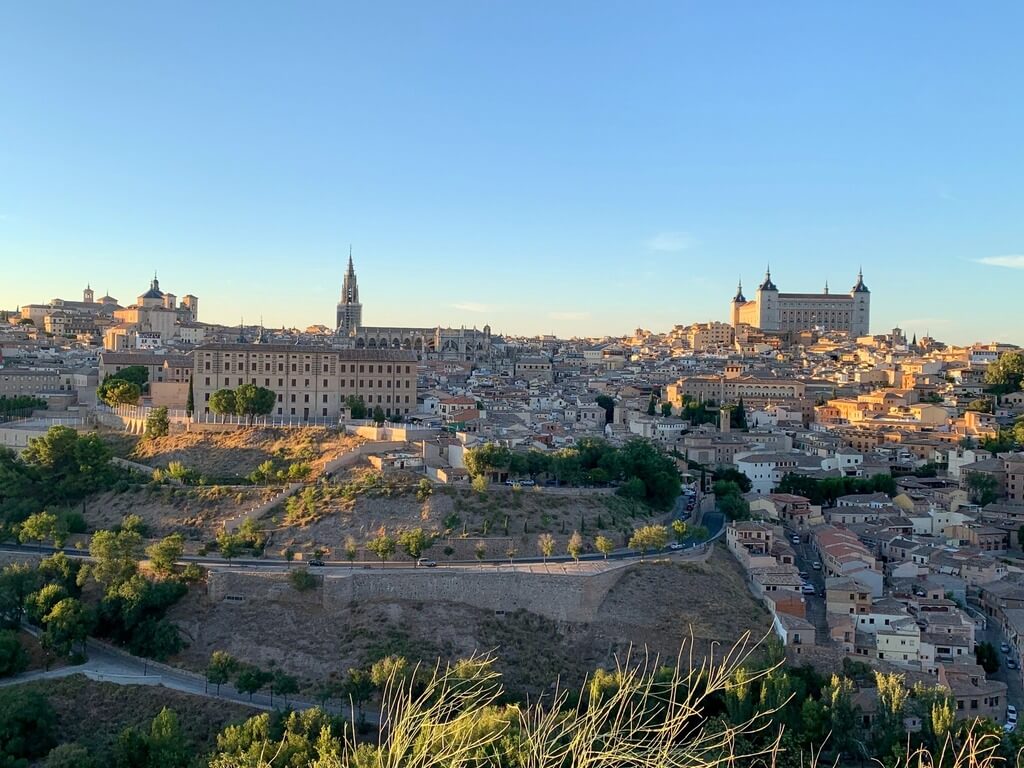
570, 598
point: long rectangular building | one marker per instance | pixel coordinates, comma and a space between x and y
309, 381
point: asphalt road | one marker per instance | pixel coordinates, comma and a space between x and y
805, 556
109, 665
714, 521
1012, 677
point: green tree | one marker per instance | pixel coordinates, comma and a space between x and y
649, 538
424, 490
982, 488
27, 726
480, 484
190, 400
13, 658
115, 556
1006, 373
733, 475
981, 405
666, 409
679, 530
734, 507
164, 554
987, 658
604, 545
351, 549
69, 755
39, 528
651, 403
546, 545
383, 547
357, 688
608, 404
250, 679
67, 625
17, 582
378, 415
252, 401
220, 668
414, 542
389, 669
575, 546
285, 685
39, 604
222, 402
116, 392
356, 407
229, 544
158, 424
301, 579
887, 729
166, 744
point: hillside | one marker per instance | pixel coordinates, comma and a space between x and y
239, 452
361, 503
654, 604
93, 714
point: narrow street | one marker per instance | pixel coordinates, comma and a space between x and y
1012, 677
815, 603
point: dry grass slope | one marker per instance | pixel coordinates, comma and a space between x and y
654, 605
93, 714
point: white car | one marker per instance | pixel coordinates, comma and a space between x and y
675, 546
816, 566
807, 589
1004, 647
1011, 718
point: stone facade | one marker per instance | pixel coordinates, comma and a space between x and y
774, 311
309, 381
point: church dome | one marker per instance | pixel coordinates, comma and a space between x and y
154, 291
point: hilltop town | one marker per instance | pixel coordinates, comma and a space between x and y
331, 499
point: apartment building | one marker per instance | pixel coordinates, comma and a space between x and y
309, 381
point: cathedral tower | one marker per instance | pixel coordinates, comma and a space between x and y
350, 311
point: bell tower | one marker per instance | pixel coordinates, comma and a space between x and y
350, 311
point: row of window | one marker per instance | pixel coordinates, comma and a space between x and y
343, 367
397, 384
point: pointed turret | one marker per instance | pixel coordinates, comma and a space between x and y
768, 285
860, 287
739, 298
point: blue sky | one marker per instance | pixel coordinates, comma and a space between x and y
568, 167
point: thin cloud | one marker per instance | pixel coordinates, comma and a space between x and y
569, 315
1015, 261
472, 306
671, 242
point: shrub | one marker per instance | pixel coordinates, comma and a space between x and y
302, 580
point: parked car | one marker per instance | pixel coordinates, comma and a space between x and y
1011, 718
1004, 647
795, 539
816, 566
807, 589
426, 563
317, 563
1011, 664
803, 575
